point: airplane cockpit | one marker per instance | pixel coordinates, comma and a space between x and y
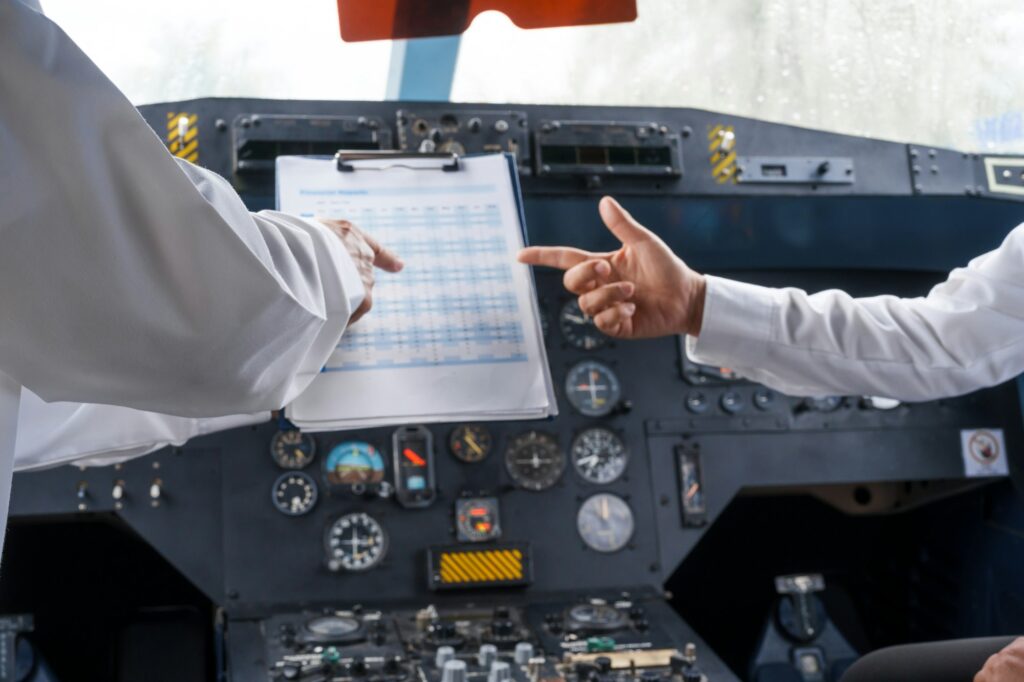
690, 525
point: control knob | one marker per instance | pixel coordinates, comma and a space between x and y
487, 654
500, 672
443, 655
454, 671
523, 653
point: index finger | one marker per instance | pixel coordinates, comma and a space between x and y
383, 258
561, 257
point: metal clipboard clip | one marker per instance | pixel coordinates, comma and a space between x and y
343, 159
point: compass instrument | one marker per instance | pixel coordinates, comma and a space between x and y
592, 388
599, 456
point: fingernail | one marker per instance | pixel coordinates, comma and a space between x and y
629, 308
628, 288
602, 268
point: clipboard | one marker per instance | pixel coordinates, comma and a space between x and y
463, 316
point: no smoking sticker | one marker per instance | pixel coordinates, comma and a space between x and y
984, 452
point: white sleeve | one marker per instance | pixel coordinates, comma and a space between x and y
966, 334
128, 279
90, 435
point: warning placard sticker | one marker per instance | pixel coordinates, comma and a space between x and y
984, 452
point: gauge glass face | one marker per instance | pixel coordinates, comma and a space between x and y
592, 388
294, 493
597, 617
470, 443
355, 542
605, 522
828, 403
354, 462
599, 456
579, 329
292, 449
534, 460
477, 519
333, 626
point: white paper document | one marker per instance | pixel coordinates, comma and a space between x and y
456, 335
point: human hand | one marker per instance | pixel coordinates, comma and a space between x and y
642, 290
367, 254
1004, 666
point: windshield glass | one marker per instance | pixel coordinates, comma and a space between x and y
943, 72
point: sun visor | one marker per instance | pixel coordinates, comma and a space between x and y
398, 19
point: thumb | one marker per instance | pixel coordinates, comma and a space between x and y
621, 223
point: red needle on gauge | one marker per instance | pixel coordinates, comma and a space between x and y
414, 458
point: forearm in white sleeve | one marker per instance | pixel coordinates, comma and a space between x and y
120, 283
968, 333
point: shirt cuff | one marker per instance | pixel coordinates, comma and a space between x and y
737, 324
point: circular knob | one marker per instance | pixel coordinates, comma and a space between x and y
474, 125
523, 654
487, 654
454, 671
500, 672
604, 664
443, 655
502, 628
650, 676
358, 666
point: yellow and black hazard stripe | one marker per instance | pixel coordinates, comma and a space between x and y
478, 567
722, 153
183, 135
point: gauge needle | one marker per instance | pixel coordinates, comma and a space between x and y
588, 460
473, 444
604, 508
298, 452
414, 458
577, 319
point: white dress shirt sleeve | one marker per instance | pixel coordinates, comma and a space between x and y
966, 334
128, 278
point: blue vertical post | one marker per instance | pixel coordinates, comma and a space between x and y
423, 69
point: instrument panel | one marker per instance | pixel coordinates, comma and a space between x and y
531, 532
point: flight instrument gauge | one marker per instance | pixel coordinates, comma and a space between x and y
599, 456
354, 463
592, 388
578, 328
477, 519
294, 493
355, 542
292, 449
534, 460
605, 522
470, 443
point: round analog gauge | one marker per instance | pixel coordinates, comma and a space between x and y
534, 460
294, 493
599, 456
334, 628
599, 617
829, 403
592, 388
354, 463
477, 519
578, 328
470, 443
292, 449
355, 542
605, 522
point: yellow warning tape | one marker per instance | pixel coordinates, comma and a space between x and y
183, 135
722, 150
487, 566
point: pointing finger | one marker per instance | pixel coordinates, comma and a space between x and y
616, 321
383, 258
561, 257
602, 298
621, 223
584, 276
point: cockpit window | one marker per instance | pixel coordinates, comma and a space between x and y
945, 73
161, 52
